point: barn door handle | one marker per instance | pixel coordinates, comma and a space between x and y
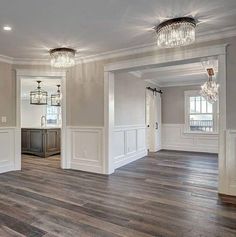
156, 125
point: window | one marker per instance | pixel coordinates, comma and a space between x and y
53, 115
200, 115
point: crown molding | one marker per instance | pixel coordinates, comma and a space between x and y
184, 83
175, 84
183, 72
145, 48
6, 59
152, 82
39, 73
137, 74
27, 61
197, 78
201, 37
224, 33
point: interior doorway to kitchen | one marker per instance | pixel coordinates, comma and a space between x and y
41, 110
41, 120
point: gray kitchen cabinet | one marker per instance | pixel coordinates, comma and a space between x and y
42, 142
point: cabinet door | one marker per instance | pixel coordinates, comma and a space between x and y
36, 141
53, 140
24, 140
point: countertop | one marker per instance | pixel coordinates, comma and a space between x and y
41, 128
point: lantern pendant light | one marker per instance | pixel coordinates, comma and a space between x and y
38, 96
56, 98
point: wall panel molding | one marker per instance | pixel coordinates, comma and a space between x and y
231, 161
174, 138
85, 148
129, 144
10, 152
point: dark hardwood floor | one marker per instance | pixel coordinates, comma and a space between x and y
165, 194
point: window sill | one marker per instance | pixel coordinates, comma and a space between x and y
201, 133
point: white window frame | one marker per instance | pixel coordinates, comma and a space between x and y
57, 114
215, 110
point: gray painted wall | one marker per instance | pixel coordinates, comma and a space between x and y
129, 94
7, 95
85, 83
173, 103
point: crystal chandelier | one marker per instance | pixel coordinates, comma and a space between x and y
38, 96
210, 89
176, 32
62, 57
56, 98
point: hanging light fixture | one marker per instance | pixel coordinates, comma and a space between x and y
38, 96
210, 63
176, 32
62, 57
210, 89
56, 98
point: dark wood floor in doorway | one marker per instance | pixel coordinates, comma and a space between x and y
165, 194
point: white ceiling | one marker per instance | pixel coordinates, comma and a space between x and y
176, 75
94, 27
30, 84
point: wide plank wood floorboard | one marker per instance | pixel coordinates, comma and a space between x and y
166, 194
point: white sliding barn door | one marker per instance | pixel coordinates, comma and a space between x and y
157, 131
153, 121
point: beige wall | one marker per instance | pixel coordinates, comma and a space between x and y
85, 97
129, 95
173, 104
7, 95
231, 85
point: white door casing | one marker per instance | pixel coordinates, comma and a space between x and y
22, 73
174, 57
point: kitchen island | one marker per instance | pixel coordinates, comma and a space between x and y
42, 142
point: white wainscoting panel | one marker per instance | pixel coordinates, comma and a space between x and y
231, 161
85, 149
8, 154
174, 138
129, 144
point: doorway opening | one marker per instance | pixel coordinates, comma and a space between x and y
41, 123
40, 120
175, 58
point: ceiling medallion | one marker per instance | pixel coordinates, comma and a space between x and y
176, 32
210, 89
56, 98
38, 96
62, 57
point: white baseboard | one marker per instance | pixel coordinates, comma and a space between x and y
129, 144
129, 158
85, 149
6, 168
174, 138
